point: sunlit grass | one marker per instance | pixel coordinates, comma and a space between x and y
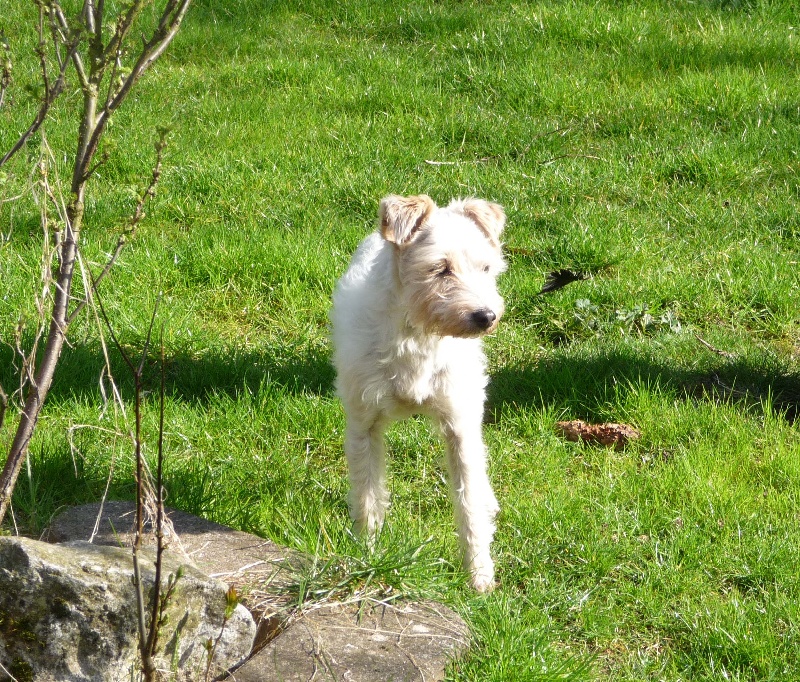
651, 144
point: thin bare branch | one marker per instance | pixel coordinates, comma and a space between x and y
99, 164
168, 27
3, 406
157, 604
123, 27
5, 70
114, 338
130, 231
717, 351
51, 92
87, 15
148, 665
99, 11
146, 348
64, 32
107, 373
56, 36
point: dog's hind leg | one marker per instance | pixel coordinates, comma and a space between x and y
474, 501
366, 465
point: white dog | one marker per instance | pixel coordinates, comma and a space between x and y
408, 317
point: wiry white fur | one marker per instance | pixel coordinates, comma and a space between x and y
406, 341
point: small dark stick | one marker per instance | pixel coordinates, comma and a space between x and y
560, 278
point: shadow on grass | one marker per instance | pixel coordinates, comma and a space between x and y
297, 370
190, 377
582, 382
585, 385
55, 480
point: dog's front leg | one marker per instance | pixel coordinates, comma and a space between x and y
474, 501
366, 465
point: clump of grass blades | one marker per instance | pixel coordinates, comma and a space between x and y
386, 572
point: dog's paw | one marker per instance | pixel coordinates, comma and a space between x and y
368, 527
483, 583
482, 572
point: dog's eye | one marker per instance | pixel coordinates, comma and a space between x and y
486, 268
444, 270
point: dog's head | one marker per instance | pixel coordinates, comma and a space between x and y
448, 260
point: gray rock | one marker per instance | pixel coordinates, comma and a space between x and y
260, 570
378, 643
68, 614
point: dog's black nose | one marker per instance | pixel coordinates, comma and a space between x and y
484, 318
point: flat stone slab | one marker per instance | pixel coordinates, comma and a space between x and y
229, 555
381, 642
333, 641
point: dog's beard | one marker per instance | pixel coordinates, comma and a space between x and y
450, 311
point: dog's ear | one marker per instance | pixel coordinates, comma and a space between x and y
401, 217
489, 217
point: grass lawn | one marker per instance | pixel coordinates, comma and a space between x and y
651, 144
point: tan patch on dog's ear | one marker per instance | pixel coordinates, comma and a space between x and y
402, 217
489, 217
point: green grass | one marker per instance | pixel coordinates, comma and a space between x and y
652, 144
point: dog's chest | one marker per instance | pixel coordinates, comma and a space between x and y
421, 373
414, 380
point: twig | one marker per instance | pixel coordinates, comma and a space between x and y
6, 671
148, 664
130, 231
76, 57
51, 92
99, 164
708, 346
117, 398
571, 156
86, 277
158, 605
146, 638
3, 406
171, 18
117, 401
87, 15
5, 72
